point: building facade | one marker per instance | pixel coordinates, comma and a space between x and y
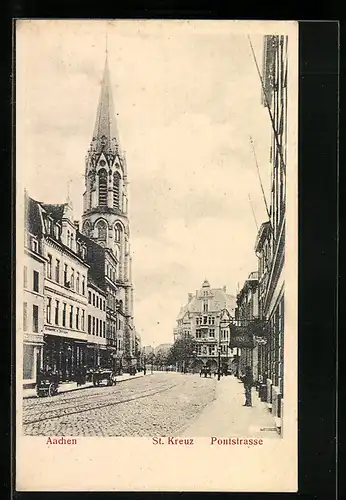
33, 293
105, 220
246, 312
206, 317
97, 354
65, 291
270, 244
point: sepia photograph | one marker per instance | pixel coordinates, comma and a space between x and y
156, 263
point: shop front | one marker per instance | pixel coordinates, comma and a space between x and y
64, 355
32, 358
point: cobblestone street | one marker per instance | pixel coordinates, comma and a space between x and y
158, 404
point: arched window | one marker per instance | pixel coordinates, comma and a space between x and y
117, 232
116, 190
102, 230
87, 228
102, 188
120, 305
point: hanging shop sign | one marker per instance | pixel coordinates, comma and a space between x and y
241, 338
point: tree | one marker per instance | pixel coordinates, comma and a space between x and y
181, 351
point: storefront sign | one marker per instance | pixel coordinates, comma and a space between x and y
240, 337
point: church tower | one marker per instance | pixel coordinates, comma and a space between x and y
105, 208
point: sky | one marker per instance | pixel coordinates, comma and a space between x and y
187, 97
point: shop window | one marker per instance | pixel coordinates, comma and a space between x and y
28, 362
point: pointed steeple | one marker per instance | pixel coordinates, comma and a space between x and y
106, 135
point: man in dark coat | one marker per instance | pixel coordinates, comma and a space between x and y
248, 383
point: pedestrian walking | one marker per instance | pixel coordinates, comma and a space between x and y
248, 383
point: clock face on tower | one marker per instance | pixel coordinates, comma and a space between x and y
102, 163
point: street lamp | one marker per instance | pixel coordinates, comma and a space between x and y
219, 362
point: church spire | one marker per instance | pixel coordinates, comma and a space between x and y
106, 135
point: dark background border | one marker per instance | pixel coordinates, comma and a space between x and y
318, 122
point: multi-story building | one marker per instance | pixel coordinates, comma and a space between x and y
270, 244
97, 352
105, 220
65, 290
206, 317
246, 312
33, 298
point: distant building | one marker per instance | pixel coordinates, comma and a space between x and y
148, 349
163, 348
206, 317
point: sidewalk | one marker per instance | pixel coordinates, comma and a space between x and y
72, 386
226, 416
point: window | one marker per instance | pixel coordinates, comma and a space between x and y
72, 277
83, 285
57, 270
77, 282
65, 274
35, 281
64, 314
34, 245
117, 232
205, 307
104, 329
89, 323
93, 299
198, 334
49, 310
56, 319
93, 325
71, 316
213, 320
68, 238
25, 277
71, 241
205, 320
102, 230
100, 328
97, 326
49, 267
89, 297
35, 319
211, 350
97, 300
211, 332
77, 318
116, 190
25, 316
102, 188
104, 305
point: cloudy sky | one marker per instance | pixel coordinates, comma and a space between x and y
187, 98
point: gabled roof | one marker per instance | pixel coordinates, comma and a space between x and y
33, 218
217, 301
55, 211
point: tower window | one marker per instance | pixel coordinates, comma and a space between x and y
116, 190
102, 188
102, 230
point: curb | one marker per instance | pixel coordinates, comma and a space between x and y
83, 387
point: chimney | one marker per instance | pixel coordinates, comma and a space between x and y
76, 224
224, 288
189, 296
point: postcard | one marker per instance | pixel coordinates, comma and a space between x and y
156, 239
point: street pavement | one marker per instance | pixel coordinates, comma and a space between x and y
158, 404
226, 416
